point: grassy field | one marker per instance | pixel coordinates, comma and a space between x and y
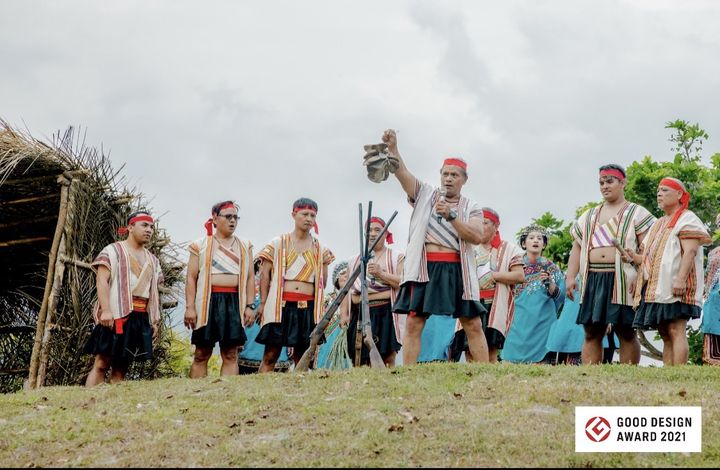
428, 415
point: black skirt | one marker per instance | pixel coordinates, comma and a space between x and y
224, 324
597, 307
650, 315
294, 330
134, 344
383, 331
441, 295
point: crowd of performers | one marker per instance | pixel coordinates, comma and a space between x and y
459, 289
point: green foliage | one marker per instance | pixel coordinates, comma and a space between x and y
687, 140
511, 416
701, 181
695, 343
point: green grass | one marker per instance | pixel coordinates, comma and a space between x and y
428, 415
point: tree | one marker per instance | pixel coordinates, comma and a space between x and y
702, 182
687, 138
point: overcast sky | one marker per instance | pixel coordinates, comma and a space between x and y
265, 102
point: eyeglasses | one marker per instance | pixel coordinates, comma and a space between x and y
229, 216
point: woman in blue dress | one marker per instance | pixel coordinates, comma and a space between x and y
537, 301
333, 330
711, 309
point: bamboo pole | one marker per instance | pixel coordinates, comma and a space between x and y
51, 313
12, 371
66, 239
31, 382
30, 179
76, 263
33, 198
25, 241
26, 222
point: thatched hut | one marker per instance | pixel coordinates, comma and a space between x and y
60, 204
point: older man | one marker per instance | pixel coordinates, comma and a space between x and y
440, 276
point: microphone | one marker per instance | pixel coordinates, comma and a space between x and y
546, 281
443, 192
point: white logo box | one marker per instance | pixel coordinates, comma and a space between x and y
638, 429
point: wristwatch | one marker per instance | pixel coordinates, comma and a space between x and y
249, 305
452, 216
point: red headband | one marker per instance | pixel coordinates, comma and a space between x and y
307, 208
380, 221
137, 218
229, 205
456, 162
492, 216
613, 172
684, 199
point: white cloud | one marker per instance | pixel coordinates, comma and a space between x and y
267, 102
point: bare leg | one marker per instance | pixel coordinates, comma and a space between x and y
270, 357
229, 361
198, 369
667, 344
477, 344
678, 337
389, 360
411, 343
492, 354
592, 351
99, 369
118, 373
629, 344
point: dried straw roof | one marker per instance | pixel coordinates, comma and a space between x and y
31, 173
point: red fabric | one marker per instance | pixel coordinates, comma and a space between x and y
442, 257
209, 227
684, 199
224, 289
137, 218
492, 217
229, 205
303, 208
487, 294
297, 296
380, 221
496, 241
141, 218
613, 172
455, 162
139, 305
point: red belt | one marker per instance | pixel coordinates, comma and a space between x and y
443, 257
297, 297
139, 305
487, 294
224, 289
